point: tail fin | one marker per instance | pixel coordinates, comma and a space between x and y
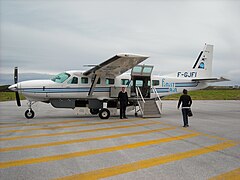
203, 64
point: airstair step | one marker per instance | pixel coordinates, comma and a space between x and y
151, 115
150, 109
151, 112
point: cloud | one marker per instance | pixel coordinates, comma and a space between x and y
53, 36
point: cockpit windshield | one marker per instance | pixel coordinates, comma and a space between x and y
60, 78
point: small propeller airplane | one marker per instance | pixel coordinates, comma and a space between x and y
97, 89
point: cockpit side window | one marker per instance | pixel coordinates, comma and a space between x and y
74, 80
60, 78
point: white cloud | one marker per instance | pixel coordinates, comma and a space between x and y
58, 35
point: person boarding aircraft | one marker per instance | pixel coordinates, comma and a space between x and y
98, 87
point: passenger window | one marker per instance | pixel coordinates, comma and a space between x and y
84, 80
155, 82
137, 69
74, 80
109, 81
139, 83
147, 69
99, 81
125, 81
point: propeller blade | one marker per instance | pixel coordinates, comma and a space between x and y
16, 81
16, 75
18, 99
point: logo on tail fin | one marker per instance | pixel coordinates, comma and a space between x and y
201, 65
194, 66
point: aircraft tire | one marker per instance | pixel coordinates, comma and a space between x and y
94, 111
104, 113
29, 114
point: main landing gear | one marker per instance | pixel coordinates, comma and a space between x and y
29, 113
102, 113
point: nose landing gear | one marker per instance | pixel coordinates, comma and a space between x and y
29, 113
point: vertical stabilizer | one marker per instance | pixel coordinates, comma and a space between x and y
203, 64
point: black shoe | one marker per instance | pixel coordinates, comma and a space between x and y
187, 125
120, 117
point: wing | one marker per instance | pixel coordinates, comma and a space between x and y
211, 80
116, 65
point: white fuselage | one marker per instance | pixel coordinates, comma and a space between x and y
44, 90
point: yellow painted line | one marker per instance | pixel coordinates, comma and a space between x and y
126, 168
75, 132
91, 152
192, 131
43, 123
70, 126
207, 135
215, 137
7, 123
232, 175
81, 140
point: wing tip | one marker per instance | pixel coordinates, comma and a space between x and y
132, 55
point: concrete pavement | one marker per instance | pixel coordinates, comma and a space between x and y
59, 144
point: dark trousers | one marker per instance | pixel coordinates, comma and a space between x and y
123, 110
185, 116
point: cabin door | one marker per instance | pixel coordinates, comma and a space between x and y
141, 77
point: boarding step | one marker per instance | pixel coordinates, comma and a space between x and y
151, 109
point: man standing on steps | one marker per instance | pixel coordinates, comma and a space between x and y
186, 102
123, 98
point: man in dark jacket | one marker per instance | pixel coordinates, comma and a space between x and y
123, 98
186, 102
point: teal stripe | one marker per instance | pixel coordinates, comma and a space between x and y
63, 90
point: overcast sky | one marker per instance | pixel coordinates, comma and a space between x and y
55, 35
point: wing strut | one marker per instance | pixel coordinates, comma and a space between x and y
94, 82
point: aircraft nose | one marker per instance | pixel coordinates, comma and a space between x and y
13, 87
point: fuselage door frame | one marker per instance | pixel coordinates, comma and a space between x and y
141, 77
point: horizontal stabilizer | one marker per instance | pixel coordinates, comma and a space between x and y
210, 80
